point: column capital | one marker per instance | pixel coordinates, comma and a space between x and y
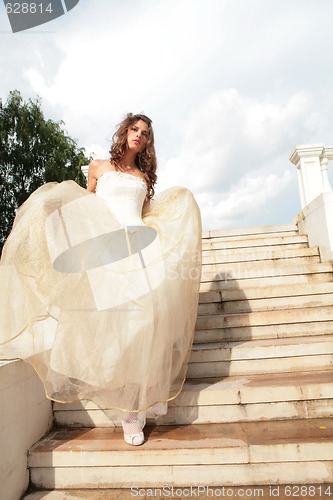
328, 153
307, 151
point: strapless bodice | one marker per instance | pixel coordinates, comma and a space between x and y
124, 194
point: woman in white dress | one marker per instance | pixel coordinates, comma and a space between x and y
106, 281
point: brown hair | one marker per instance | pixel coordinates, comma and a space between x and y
146, 159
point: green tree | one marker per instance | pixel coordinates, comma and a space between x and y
33, 150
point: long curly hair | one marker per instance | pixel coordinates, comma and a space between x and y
146, 159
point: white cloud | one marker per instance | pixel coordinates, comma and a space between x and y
230, 156
119, 63
229, 135
243, 201
231, 87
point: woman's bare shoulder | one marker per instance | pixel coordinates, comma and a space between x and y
96, 166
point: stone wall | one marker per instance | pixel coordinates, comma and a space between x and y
25, 416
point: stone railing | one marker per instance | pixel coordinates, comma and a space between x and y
25, 416
316, 217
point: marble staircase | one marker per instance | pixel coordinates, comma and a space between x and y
257, 404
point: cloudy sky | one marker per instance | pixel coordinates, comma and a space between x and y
231, 86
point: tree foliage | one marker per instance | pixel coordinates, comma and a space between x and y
33, 150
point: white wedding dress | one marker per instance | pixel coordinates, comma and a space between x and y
99, 298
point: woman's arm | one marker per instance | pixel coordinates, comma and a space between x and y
92, 179
146, 202
146, 206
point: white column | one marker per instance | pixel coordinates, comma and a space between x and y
85, 169
307, 159
327, 155
324, 170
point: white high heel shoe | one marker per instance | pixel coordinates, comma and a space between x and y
135, 438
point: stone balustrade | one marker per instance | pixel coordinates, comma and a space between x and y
25, 416
312, 169
316, 217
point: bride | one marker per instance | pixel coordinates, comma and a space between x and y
100, 286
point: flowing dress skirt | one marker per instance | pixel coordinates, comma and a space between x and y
102, 312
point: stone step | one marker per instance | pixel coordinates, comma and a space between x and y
260, 366
269, 304
246, 242
250, 492
243, 281
261, 356
256, 293
257, 332
265, 318
203, 414
246, 453
245, 255
260, 231
231, 399
269, 267
262, 349
272, 268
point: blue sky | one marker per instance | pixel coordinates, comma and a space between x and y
232, 86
